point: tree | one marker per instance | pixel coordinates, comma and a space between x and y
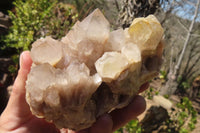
188, 70
136, 8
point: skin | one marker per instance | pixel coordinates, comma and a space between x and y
17, 117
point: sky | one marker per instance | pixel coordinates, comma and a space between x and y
183, 8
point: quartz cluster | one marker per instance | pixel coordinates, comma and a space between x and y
91, 70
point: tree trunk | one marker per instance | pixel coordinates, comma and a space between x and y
172, 84
136, 8
177, 67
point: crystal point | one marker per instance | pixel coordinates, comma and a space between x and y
92, 71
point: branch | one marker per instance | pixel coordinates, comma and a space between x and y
184, 27
194, 54
117, 5
177, 67
193, 72
195, 75
189, 59
195, 50
135, 3
171, 58
166, 15
193, 65
190, 3
195, 35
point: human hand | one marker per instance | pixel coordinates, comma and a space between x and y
18, 118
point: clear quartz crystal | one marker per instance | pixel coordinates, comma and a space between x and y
96, 27
92, 71
116, 40
86, 40
46, 50
111, 65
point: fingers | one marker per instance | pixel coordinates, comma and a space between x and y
122, 116
25, 65
63, 130
143, 87
17, 104
36, 125
118, 118
103, 125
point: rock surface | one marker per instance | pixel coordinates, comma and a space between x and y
163, 102
92, 70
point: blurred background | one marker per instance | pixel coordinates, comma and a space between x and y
173, 99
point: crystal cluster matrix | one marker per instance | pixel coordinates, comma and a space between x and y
92, 70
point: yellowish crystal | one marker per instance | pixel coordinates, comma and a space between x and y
92, 71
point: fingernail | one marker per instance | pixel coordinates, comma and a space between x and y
145, 85
70, 131
64, 131
139, 104
21, 60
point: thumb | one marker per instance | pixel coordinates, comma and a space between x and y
17, 105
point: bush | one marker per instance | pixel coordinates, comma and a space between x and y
37, 18
184, 117
149, 93
34, 19
132, 127
84, 7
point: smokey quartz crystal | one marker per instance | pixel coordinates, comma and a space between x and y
92, 70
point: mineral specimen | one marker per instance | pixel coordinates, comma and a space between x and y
92, 71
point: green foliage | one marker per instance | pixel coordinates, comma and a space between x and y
183, 84
149, 93
163, 75
182, 118
185, 118
28, 19
13, 68
187, 111
34, 19
132, 127
84, 7
183, 130
166, 96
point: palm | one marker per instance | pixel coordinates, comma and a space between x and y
17, 115
36, 125
18, 118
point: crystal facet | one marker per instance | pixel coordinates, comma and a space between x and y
92, 71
